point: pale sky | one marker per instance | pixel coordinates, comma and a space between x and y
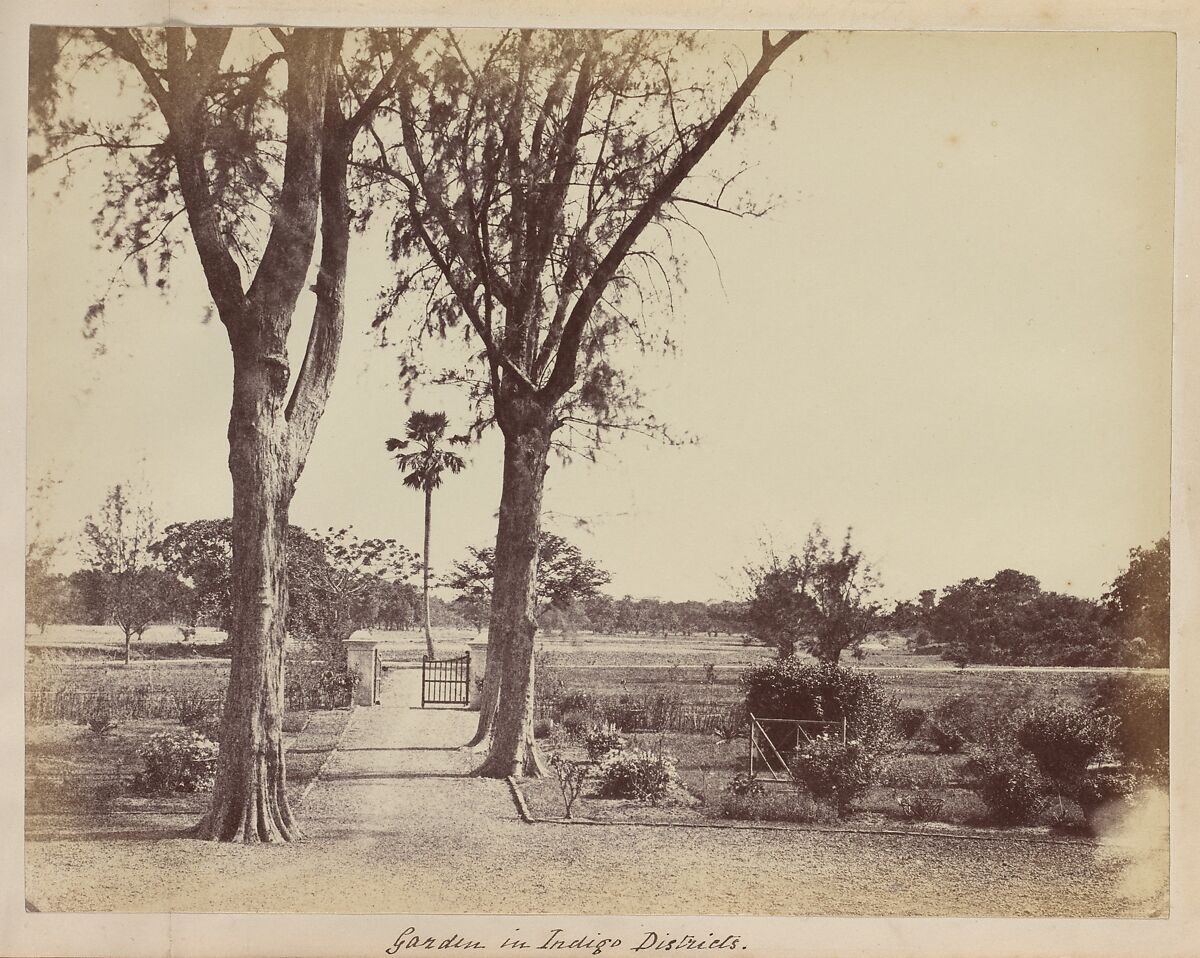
953, 333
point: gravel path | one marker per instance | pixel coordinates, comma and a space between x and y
396, 825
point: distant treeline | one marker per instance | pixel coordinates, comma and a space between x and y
1008, 619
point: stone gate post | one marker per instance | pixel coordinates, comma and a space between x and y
362, 655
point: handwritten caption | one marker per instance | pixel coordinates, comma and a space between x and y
560, 939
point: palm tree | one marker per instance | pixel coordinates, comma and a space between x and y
423, 460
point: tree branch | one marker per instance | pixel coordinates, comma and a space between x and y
563, 375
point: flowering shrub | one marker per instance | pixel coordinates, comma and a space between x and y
835, 772
177, 762
1010, 785
335, 688
602, 742
637, 774
742, 784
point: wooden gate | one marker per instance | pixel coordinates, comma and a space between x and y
446, 681
773, 741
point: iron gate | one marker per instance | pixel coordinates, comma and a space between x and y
446, 681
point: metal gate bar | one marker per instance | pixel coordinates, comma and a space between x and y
446, 681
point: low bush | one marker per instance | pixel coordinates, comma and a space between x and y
575, 724
1142, 720
542, 728
790, 688
177, 762
1009, 784
572, 776
1064, 740
1101, 787
637, 774
921, 806
835, 772
960, 721
908, 721
101, 723
335, 688
913, 771
574, 700
781, 806
742, 784
602, 742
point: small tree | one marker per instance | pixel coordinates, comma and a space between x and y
819, 599
117, 545
423, 459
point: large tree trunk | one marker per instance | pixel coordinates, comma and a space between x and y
425, 570
506, 707
250, 801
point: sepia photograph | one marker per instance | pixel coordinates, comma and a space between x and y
571, 472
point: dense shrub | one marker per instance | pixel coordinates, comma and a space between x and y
960, 720
574, 700
602, 742
637, 774
1101, 787
101, 723
312, 687
542, 728
177, 762
1141, 731
921, 806
835, 772
575, 724
790, 688
1063, 739
742, 784
782, 806
1009, 784
908, 721
914, 771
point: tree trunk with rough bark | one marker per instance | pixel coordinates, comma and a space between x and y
425, 571
506, 708
250, 801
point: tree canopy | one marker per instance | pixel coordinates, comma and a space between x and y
818, 600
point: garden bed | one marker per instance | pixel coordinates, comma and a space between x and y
73, 772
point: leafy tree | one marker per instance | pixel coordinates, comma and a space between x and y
423, 460
328, 577
526, 171
563, 577
819, 599
248, 140
1008, 619
117, 544
337, 585
1139, 604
